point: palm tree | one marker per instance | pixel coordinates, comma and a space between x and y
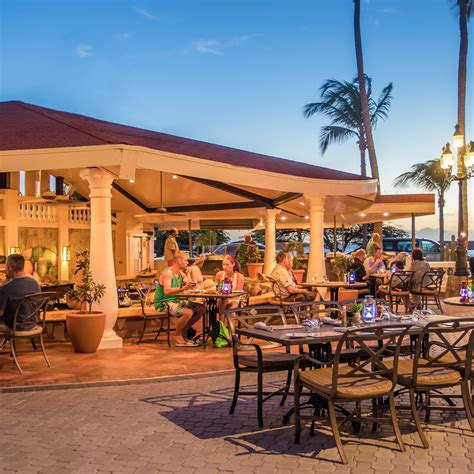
341, 102
431, 177
465, 10
364, 95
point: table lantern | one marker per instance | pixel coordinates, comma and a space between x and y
226, 287
369, 313
463, 292
352, 277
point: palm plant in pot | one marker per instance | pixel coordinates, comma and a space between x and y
252, 260
85, 327
300, 260
341, 264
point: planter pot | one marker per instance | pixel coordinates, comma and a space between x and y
253, 269
85, 330
299, 274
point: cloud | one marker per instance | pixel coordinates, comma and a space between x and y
124, 35
145, 13
84, 50
217, 47
204, 46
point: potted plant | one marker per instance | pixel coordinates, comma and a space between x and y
354, 312
341, 265
299, 259
253, 261
85, 327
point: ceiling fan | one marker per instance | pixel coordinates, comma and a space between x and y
161, 209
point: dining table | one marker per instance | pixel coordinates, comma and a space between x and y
210, 299
334, 286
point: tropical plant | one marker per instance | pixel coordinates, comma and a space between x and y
356, 307
431, 177
341, 103
341, 265
465, 8
296, 249
250, 254
87, 291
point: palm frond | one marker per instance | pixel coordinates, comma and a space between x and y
332, 134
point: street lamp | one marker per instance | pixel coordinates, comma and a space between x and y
465, 161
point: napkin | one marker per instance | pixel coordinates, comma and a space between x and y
332, 322
263, 326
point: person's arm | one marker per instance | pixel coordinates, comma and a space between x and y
3, 300
240, 282
168, 290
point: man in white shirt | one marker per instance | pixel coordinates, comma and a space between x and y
374, 265
287, 286
171, 246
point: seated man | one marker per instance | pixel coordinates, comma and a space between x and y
171, 282
18, 286
287, 286
374, 265
357, 265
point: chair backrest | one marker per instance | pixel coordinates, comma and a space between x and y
373, 357
401, 280
313, 309
31, 310
144, 293
247, 316
433, 280
448, 343
346, 294
276, 288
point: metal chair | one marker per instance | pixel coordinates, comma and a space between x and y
366, 378
430, 288
149, 314
443, 359
252, 357
398, 289
31, 325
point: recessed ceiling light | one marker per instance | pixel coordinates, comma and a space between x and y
301, 203
385, 214
175, 176
283, 218
132, 180
306, 217
362, 214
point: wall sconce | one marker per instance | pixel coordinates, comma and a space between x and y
66, 253
15, 250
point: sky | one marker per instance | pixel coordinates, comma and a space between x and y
238, 72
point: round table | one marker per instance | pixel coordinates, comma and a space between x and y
455, 300
334, 286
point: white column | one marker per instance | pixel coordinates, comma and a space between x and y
101, 250
270, 240
62, 215
11, 215
316, 266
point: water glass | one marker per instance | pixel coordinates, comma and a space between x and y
311, 325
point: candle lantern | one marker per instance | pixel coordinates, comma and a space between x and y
369, 313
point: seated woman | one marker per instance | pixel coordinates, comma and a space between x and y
230, 271
194, 271
419, 266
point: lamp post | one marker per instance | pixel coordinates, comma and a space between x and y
465, 162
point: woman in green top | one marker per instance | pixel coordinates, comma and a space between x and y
171, 282
375, 240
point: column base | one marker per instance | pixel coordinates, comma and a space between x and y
111, 341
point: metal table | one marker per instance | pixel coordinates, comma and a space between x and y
334, 286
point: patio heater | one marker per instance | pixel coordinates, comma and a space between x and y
465, 162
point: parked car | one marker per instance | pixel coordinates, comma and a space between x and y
231, 248
430, 248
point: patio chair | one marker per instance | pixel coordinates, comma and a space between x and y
430, 288
364, 379
277, 300
253, 357
443, 359
345, 294
34, 308
397, 290
149, 314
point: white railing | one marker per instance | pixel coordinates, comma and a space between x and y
36, 212
79, 215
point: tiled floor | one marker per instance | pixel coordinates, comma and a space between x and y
133, 361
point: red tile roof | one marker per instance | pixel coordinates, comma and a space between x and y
26, 126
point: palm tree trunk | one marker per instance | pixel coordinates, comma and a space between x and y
363, 95
462, 78
362, 148
441, 222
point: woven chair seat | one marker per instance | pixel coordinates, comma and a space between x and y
270, 360
28, 333
394, 292
427, 376
320, 380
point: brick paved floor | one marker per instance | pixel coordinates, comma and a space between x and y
183, 426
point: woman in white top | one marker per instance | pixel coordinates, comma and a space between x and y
194, 271
230, 270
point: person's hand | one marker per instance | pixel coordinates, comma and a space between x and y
188, 285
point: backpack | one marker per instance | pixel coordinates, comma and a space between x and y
220, 335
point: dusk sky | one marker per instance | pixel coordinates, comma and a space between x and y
238, 72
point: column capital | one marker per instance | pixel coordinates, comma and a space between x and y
271, 213
316, 202
97, 178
